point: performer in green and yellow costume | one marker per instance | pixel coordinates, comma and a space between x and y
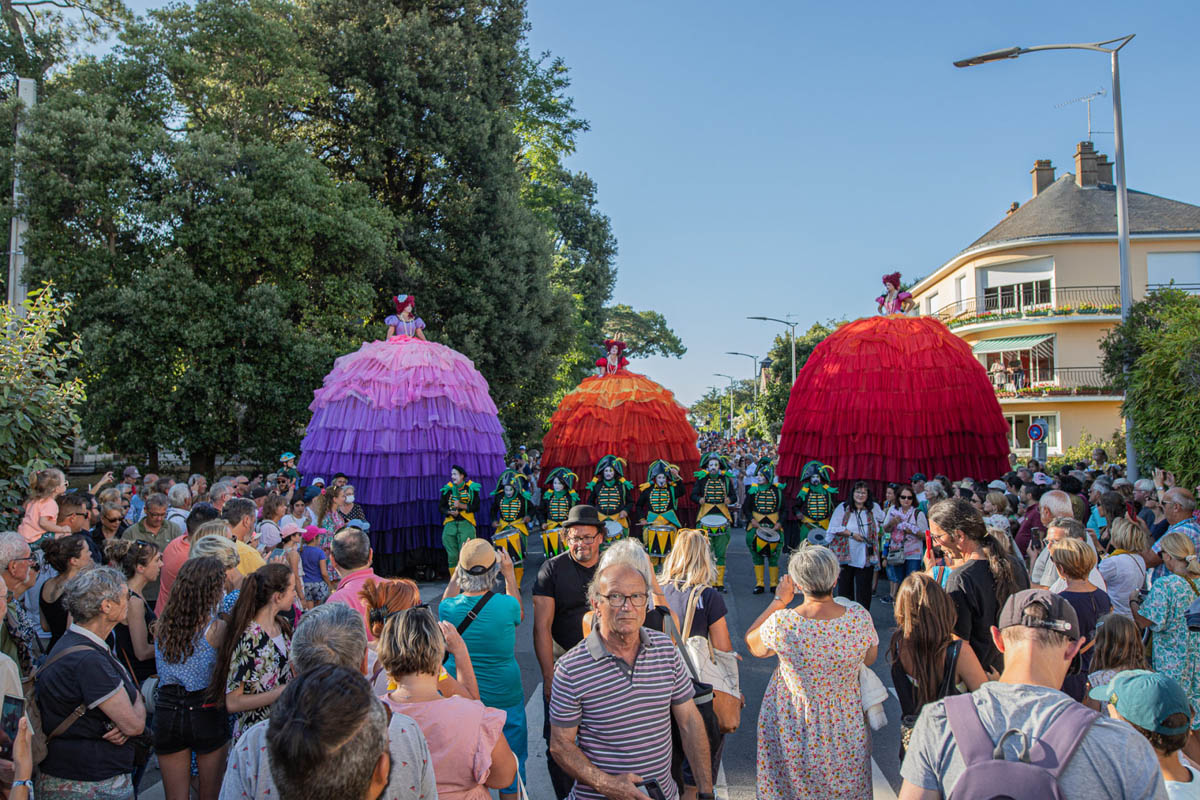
556, 506
459, 504
658, 508
814, 504
714, 492
511, 514
764, 506
612, 494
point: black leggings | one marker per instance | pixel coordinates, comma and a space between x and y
854, 583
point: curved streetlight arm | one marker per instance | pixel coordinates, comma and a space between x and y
1013, 52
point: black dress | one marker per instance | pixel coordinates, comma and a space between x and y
142, 667
56, 617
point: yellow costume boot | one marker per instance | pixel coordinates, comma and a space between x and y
758, 574
721, 575
774, 577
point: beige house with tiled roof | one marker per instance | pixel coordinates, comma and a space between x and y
1035, 294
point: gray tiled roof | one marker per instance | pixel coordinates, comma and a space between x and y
1064, 209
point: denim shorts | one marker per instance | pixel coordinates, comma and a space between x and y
184, 721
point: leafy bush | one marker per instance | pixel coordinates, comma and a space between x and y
39, 403
1082, 450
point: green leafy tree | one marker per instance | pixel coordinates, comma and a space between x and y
711, 412
37, 35
1153, 357
646, 332
1082, 450
421, 109
217, 276
39, 398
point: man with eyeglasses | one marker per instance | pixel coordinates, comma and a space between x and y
614, 697
1178, 504
18, 568
559, 605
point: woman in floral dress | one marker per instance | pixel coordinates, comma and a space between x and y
252, 665
1175, 649
812, 740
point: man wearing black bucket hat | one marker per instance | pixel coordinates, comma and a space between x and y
559, 603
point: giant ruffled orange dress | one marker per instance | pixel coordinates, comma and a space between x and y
625, 414
884, 397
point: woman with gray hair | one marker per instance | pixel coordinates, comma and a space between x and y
490, 637
812, 739
83, 689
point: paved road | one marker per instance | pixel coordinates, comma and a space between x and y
737, 780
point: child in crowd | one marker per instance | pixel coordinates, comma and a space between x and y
1157, 707
41, 512
318, 583
1118, 648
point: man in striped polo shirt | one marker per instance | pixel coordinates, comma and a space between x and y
613, 696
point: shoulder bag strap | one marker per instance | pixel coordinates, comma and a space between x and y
952, 654
673, 632
690, 613
974, 743
79, 710
474, 612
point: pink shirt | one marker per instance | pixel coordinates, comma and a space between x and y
347, 592
175, 553
34, 512
461, 734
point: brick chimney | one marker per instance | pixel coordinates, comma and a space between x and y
1085, 164
1104, 170
1043, 175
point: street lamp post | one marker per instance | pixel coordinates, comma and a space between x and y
792, 327
1122, 187
755, 376
731, 380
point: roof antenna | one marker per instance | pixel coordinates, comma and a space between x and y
1087, 98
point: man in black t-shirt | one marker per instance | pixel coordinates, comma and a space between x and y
559, 603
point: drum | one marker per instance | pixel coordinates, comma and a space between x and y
554, 539
713, 524
658, 539
820, 536
613, 530
764, 539
510, 540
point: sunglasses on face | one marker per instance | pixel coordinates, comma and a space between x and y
907, 497
112, 520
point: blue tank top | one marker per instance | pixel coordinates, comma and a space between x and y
195, 673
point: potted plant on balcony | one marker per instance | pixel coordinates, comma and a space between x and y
1087, 308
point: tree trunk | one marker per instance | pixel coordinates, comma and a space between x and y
203, 463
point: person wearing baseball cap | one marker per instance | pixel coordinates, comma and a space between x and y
1038, 634
1159, 709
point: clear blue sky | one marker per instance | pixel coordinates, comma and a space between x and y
779, 157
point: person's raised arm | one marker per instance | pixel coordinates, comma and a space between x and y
451, 587
456, 647
543, 641
784, 593
511, 588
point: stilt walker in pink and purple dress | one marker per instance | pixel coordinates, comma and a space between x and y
394, 416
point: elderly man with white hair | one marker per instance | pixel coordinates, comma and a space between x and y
179, 498
1055, 504
1179, 505
624, 683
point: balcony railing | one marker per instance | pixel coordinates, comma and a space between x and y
1062, 301
1054, 382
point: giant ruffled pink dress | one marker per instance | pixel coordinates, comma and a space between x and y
394, 416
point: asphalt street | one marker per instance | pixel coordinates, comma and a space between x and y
736, 780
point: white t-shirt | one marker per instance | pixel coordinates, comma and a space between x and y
1178, 790
1124, 574
749, 478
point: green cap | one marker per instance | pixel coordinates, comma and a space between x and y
1147, 699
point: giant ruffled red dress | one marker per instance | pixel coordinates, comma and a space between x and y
619, 411
884, 397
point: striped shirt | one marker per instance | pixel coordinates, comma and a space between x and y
623, 713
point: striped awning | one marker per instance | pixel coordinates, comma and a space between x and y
1010, 343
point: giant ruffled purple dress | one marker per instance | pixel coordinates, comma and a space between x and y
393, 417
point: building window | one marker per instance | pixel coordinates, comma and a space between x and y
931, 304
1018, 431
1015, 296
1181, 268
